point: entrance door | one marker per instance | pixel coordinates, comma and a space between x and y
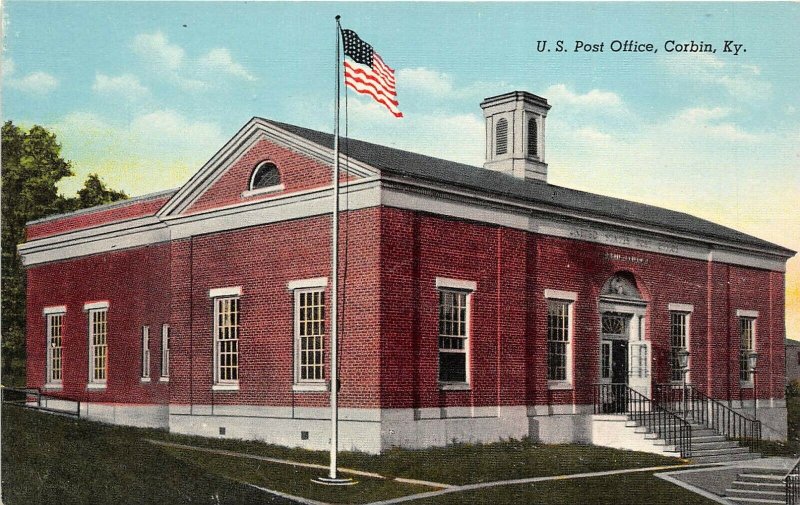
614, 362
639, 358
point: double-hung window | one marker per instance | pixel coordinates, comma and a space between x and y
679, 319
164, 352
309, 333
145, 353
559, 337
747, 345
454, 331
98, 343
54, 320
226, 337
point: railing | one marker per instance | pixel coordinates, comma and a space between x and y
792, 482
658, 419
34, 399
693, 403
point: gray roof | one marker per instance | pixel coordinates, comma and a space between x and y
421, 167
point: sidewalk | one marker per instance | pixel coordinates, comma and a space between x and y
712, 482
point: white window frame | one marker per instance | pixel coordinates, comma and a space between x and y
686, 310
51, 313
91, 309
467, 288
569, 298
221, 384
145, 354
298, 287
752, 316
267, 189
163, 374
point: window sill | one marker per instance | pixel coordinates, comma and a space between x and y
263, 191
745, 385
454, 386
313, 387
53, 386
559, 385
96, 385
225, 387
163, 379
144, 379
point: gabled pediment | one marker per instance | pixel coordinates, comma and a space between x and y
227, 178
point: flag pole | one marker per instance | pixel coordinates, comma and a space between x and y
335, 277
333, 478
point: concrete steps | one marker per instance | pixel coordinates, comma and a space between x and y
708, 446
757, 487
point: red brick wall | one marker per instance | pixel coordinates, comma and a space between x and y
262, 260
297, 173
509, 312
95, 218
134, 282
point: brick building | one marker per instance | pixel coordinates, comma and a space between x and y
475, 303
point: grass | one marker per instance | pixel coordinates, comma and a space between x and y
297, 480
456, 464
627, 489
51, 459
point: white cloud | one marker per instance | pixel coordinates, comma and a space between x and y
127, 86
37, 83
560, 94
157, 51
705, 121
739, 80
170, 61
220, 60
425, 80
154, 151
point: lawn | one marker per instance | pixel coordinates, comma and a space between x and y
52, 459
55, 460
626, 489
459, 463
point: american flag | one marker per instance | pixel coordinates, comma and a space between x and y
367, 73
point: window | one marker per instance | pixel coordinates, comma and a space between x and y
55, 334
605, 359
226, 340
145, 352
747, 333
98, 345
453, 334
533, 139
558, 340
165, 351
679, 340
501, 137
309, 306
265, 175
560, 306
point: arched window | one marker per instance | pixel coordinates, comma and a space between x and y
265, 175
533, 138
501, 137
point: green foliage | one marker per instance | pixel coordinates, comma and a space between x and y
32, 167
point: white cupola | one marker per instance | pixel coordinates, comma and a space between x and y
515, 134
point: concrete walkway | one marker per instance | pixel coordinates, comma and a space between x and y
712, 482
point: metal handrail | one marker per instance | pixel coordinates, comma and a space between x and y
33, 398
792, 483
712, 413
621, 399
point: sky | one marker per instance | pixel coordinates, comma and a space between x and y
143, 93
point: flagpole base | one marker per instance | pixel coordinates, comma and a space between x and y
339, 481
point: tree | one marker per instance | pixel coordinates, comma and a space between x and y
32, 166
